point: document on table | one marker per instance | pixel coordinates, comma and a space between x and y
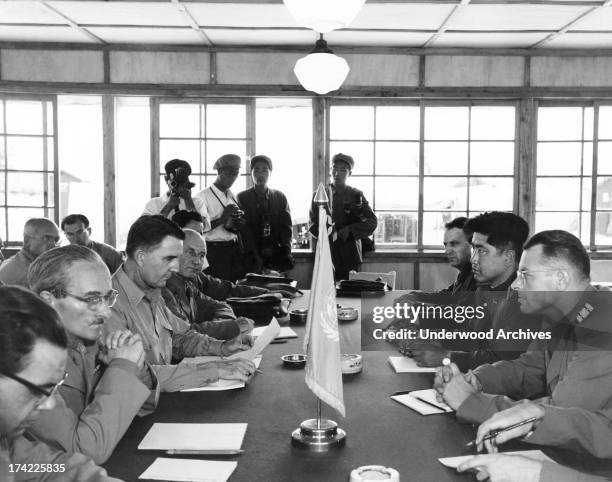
189, 470
221, 384
204, 437
263, 340
286, 332
423, 401
454, 462
403, 364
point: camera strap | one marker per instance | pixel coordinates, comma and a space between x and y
219, 199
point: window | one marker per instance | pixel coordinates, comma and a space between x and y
27, 164
461, 161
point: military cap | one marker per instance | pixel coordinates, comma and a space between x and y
174, 164
344, 158
228, 160
261, 158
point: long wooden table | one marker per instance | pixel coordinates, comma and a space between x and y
379, 430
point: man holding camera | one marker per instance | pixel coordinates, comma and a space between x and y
178, 197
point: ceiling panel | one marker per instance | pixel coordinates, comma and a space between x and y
601, 19
261, 37
11, 33
420, 16
515, 17
228, 15
122, 13
27, 12
492, 40
376, 39
170, 36
582, 40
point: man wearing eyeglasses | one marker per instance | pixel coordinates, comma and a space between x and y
567, 375
107, 381
32, 367
39, 235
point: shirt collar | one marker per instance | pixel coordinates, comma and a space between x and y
133, 292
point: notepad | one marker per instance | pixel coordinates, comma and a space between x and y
261, 342
189, 470
402, 364
221, 384
194, 436
427, 405
454, 462
284, 333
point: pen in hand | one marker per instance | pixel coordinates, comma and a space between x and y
494, 433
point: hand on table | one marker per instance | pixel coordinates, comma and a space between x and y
240, 343
238, 369
454, 387
503, 468
123, 344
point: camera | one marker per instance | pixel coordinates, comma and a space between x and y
233, 224
177, 178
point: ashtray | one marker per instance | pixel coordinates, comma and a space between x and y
351, 363
295, 360
298, 316
347, 314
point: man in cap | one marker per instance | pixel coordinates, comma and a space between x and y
178, 196
268, 219
39, 235
352, 216
226, 247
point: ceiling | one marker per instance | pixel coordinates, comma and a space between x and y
546, 24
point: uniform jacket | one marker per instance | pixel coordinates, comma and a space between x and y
14, 271
221, 289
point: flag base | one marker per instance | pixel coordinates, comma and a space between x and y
318, 438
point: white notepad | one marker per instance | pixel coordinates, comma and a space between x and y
285, 332
402, 364
221, 384
194, 436
454, 462
189, 470
411, 400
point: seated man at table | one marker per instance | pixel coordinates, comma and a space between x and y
567, 372
39, 235
32, 366
181, 294
154, 245
104, 389
189, 220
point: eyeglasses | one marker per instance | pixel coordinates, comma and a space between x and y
38, 390
94, 301
521, 276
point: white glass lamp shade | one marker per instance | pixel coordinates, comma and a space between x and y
324, 15
321, 72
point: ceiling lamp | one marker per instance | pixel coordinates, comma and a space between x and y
324, 15
321, 71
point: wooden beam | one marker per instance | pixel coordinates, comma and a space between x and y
72, 23
186, 14
527, 134
108, 155
446, 23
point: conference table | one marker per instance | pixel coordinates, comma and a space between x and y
379, 430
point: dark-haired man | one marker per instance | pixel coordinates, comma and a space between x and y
78, 231
189, 220
154, 245
571, 372
32, 367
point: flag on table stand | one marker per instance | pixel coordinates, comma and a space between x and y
322, 339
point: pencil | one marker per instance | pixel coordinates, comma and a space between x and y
495, 433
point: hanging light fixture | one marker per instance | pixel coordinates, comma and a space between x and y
321, 71
324, 15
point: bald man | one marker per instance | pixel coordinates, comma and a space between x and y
39, 235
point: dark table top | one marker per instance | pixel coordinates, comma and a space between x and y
379, 430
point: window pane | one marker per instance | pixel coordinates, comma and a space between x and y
397, 158
215, 149
604, 193
24, 117
585, 231
603, 228
17, 218
559, 158
179, 120
365, 184
1, 116
188, 150
3, 236
446, 157
50, 191
2, 191
588, 123
49, 107
587, 158
25, 153
446, 123
605, 122
491, 194
397, 123
396, 228
604, 158
225, 121
25, 189
586, 192
492, 122
361, 152
433, 226
559, 123
351, 122
492, 158
2, 160
568, 221
396, 193
558, 194
445, 193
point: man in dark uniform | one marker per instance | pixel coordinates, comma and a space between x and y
352, 216
268, 219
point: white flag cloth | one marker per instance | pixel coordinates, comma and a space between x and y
322, 339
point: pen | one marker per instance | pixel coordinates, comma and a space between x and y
494, 433
203, 452
259, 371
430, 403
404, 392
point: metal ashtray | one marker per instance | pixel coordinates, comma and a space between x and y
295, 360
298, 316
347, 314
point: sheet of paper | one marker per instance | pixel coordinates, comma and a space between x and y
263, 340
189, 470
411, 401
454, 462
194, 436
403, 364
285, 332
429, 395
221, 384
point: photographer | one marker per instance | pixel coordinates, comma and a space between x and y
178, 196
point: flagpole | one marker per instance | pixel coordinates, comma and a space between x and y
318, 413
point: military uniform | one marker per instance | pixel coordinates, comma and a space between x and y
221, 289
571, 374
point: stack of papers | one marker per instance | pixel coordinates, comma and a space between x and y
263, 340
423, 401
195, 437
188, 470
402, 364
284, 333
454, 462
221, 384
